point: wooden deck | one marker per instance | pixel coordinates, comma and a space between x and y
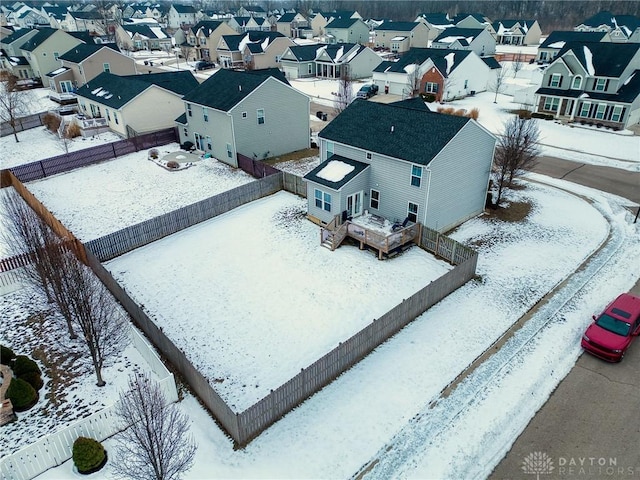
334, 234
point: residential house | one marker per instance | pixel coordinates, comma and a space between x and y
252, 11
12, 59
156, 11
56, 15
410, 163
231, 47
31, 18
347, 30
134, 104
291, 24
621, 28
249, 24
472, 20
596, 83
399, 37
358, 60
446, 74
92, 21
479, 40
134, 37
43, 50
205, 36
556, 41
322, 60
180, 15
517, 32
82, 64
319, 20
437, 23
266, 53
255, 113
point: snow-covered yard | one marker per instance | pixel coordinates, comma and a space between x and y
111, 195
251, 331
369, 411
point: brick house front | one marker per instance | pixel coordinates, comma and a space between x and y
432, 82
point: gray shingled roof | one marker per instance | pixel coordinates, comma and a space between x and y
233, 41
397, 131
312, 176
306, 53
570, 36
609, 59
226, 88
420, 55
81, 52
459, 32
398, 26
37, 40
341, 23
116, 91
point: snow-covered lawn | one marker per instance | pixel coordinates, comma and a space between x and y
39, 143
251, 331
111, 195
32, 327
357, 417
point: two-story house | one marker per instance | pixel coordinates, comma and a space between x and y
322, 60
43, 50
12, 60
231, 48
136, 36
252, 11
180, 15
621, 28
556, 41
478, 40
91, 21
401, 161
266, 53
517, 32
446, 74
249, 24
437, 23
82, 64
255, 113
347, 30
135, 104
291, 24
205, 36
596, 83
399, 37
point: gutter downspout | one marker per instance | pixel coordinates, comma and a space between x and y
426, 200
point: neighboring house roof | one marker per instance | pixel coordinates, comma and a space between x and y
184, 9
341, 22
83, 51
254, 8
630, 89
38, 39
238, 42
340, 52
58, 71
602, 59
287, 17
83, 36
116, 91
55, 11
395, 132
613, 21
91, 15
182, 119
398, 26
491, 62
456, 33
306, 53
477, 16
445, 60
500, 25
16, 61
207, 26
226, 88
18, 34
146, 31
436, 19
318, 174
416, 103
559, 38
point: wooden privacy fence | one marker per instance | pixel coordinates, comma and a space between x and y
24, 123
123, 241
254, 167
56, 448
88, 156
294, 184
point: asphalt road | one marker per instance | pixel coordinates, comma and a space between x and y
611, 180
589, 428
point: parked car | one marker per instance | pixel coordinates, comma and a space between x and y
367, 91
204, 65
611, 333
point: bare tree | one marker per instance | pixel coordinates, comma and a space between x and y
95, 313
26, 232
498, 82
413, 80
14, 102
517, 64
344, 95
157, 444
186, 50
516, 151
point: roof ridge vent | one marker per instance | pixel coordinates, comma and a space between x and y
392, 128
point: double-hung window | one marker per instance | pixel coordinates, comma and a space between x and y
375, 199
205, 114
616, 115
416, 175
556, 80
260, 116
322, 200
431, 87
189, 112
602, 107
600, 85
106, 67
551, 104
584, 109
412, 212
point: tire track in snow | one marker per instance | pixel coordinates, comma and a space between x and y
440, 414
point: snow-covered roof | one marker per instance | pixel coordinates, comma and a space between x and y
335, 171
